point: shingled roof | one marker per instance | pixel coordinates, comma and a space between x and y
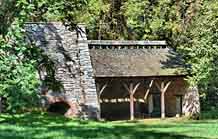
135, 59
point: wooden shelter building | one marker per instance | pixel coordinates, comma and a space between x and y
138, 79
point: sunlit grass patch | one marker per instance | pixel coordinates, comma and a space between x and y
38, 126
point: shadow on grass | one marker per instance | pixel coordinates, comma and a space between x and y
37, 126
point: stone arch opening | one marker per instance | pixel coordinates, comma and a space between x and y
59, 108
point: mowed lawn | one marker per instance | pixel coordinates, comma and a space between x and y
39, 126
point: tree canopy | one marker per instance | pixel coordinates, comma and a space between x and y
19, 60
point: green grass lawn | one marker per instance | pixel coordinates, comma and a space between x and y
38, 126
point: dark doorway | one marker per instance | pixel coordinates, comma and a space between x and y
58, 108
115, 111
157, 106
178, 105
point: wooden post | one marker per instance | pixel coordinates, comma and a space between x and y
162, 105
131, 95
163, 88
131, 89
99, 93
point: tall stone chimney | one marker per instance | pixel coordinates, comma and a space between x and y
68, 53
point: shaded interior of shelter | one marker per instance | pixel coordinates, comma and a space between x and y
58, 108
115, 102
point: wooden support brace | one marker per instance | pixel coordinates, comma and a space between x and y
99, 93
166, 87
148, 90
131, 89
163, 88
135, 88
100, 88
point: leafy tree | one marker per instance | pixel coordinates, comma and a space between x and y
18, 59
138, 19
199, 44
18, 81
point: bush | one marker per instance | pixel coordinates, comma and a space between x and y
210, 114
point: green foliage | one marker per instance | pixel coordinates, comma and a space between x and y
18, 80
64, 10
138, 19
18, 59
209, 114
18, 85
200, 46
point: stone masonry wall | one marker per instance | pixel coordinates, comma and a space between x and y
69, 53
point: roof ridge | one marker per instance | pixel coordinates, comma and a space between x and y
127, 42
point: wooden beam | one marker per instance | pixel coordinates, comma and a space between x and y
135, 88
100, 88
163, 88
148, 90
